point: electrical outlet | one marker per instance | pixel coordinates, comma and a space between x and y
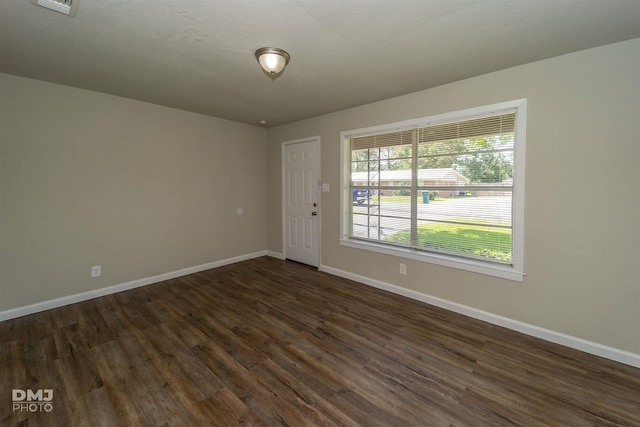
96, 270
403, 269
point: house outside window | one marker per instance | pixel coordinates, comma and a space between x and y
446, 189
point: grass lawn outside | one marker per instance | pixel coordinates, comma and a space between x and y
486, 242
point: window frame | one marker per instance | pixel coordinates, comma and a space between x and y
515, 271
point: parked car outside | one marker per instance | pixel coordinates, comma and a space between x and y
360, 195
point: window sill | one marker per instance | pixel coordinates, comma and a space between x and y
501, 271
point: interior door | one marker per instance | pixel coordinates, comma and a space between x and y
301, 163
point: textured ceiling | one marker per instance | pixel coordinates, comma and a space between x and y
198, 55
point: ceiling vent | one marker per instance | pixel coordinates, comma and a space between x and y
67, 7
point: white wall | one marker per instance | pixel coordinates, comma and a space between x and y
582, 215
142, 190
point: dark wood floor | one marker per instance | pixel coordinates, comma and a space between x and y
269, 342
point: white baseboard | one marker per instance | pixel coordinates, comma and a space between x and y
610, 353
607, 352
275, 254
59, 302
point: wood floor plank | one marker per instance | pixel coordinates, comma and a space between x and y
267, 342
226, 409
103, 412
364, 412
14, 374
127, 405
301, 401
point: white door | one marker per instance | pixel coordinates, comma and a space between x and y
301, 163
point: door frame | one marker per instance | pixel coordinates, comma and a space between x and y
316, 140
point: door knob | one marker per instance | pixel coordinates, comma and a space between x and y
314, 213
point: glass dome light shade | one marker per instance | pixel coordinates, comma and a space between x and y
272, 60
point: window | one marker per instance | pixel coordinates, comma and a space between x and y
447, 189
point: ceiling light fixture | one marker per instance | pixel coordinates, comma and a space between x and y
272, 60
67, 7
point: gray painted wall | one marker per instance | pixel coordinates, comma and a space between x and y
582, 214
88, 179
142, 190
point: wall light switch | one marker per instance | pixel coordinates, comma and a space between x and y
325, 187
